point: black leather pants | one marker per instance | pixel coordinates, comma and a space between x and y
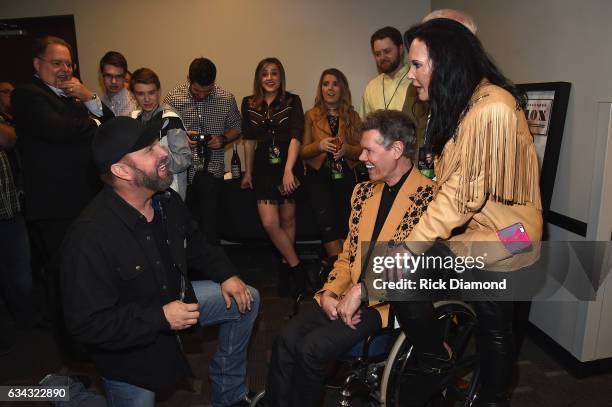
495, 338
497, 351
305, 348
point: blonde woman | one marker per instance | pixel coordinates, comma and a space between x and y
331, 151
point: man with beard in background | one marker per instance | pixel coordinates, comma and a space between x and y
386, 91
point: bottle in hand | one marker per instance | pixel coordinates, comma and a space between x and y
336, 165
236, 165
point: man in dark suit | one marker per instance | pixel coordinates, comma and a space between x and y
55, 118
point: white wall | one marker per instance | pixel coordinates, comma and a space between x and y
307, 36
548, 41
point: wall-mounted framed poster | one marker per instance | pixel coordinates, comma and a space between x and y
546, 110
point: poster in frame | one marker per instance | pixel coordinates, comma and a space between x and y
545, 111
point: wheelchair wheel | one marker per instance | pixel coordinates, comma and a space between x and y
255, 400
459, 324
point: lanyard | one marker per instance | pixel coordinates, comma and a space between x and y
396, 87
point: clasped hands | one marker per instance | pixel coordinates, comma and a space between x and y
347, 308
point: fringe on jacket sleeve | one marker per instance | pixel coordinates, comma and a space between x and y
497, 157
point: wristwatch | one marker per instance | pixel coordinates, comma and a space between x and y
94, 97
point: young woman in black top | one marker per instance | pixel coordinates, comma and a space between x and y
272, 126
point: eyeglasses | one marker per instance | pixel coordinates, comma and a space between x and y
111, 77
56, 63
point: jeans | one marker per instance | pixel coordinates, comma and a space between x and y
121, 394
227, 370
79, 395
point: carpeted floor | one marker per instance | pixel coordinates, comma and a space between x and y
542, 381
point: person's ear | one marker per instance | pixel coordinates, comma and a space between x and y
36, 63
122, 171
398, 149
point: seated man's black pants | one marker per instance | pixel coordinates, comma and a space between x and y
305, 348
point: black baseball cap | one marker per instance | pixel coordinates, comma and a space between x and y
120, 136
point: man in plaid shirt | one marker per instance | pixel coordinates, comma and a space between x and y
210, 111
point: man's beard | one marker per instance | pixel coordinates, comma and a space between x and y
153, 182
392, 67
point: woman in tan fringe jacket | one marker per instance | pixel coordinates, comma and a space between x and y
487, 177
487, 174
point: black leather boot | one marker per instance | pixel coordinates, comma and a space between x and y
497, 352
431, 375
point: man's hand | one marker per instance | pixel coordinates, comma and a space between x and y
181, 315
191, 137
348, 307
235, 288
216, 142
328, 304
395, 273
75, 89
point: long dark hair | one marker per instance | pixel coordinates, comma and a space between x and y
459, 63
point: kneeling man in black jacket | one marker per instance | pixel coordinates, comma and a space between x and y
124, 277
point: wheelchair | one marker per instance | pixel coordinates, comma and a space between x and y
373, 368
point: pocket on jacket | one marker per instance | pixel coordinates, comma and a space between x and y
130, 272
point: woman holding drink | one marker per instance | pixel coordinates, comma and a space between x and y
331, 151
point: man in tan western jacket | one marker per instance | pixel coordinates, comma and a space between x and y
383, 209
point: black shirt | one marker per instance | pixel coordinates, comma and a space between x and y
386, 202
114, 284
173, 274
